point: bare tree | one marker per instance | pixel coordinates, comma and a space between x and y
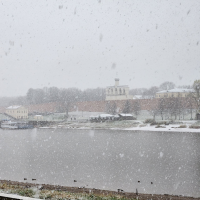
180, 107
137, 91
111, 107
196, 94
136, 107
190, 104
127, 107
154, 110
150, 93
162, 107
169, 105
67, 98
185, 86
167, 86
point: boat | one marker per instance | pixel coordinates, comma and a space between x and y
9, 125
15, 125
24, 125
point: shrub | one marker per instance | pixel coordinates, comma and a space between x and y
158, 126
194, 126
149, 121
166, 123
182, 126
153, 123
26, 192
159, 123
142, 125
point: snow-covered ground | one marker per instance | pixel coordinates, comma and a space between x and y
178, 126
171, 127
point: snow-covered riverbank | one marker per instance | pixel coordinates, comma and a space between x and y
179, 126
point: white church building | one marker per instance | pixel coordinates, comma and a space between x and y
118, 92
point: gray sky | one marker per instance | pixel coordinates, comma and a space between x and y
87, 43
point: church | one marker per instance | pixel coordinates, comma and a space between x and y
118, 92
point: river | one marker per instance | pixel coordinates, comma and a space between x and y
152, 162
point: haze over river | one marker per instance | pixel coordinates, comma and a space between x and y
104, 159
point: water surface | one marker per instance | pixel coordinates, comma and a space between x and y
164, 163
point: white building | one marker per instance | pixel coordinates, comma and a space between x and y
18, 112
38, 117
118, 92
177, 92
138, 97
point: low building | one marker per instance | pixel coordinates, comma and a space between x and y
118, 92
178, 92
137, 97
17, 112
126, 116
101, 117
38, 117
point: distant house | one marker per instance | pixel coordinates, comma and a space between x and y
118, 92
137, 97
178, 92
124, 116
38, 117
17, 112
101, 117
106, 117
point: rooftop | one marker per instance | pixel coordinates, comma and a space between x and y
175, 90
126, 115
13, 107
117, 86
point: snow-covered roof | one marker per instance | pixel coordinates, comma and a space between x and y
13, 107
117, 86
126, 115
176, 90
137, 97
105, 115
101, 116
94, 116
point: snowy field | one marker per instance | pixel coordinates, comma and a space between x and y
176, 126
171, 127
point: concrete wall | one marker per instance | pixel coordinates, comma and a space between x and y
119, 97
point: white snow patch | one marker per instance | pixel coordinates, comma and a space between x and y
91, 133
161, 154
121, 155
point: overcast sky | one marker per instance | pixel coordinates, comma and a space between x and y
87, 43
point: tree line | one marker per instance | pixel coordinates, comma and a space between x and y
173, 108
130, 106
166, 108
54, 94
151, 92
